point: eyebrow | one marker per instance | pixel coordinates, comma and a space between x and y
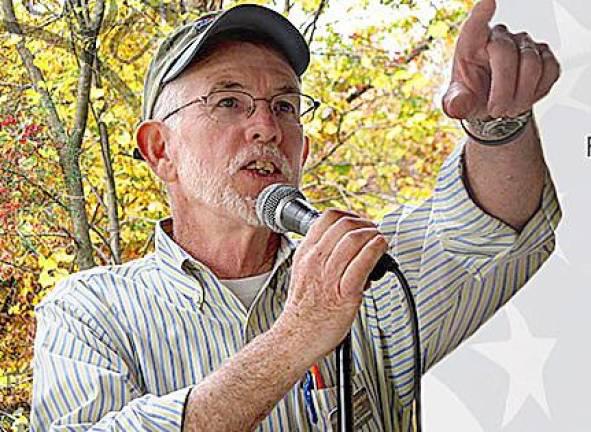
228, 85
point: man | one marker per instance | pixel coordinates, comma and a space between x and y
217, 329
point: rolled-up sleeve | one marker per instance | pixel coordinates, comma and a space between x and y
462, 265
83, 381
495, 259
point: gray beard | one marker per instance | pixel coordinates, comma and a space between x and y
214, 189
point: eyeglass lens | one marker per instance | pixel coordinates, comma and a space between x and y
229, 106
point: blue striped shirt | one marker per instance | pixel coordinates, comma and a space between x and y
118, 348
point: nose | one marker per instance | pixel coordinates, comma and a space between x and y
263, 125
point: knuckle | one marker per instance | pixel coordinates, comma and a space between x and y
380, 243
332, 214
348, 221
555, 63
351, 222
503, 43
360, 234
529, 53
351, 236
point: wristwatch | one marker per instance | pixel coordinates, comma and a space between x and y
496, 131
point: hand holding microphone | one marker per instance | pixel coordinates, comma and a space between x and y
330, 268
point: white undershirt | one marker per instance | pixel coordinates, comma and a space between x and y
246, 289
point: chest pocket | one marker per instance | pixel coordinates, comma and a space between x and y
366, 416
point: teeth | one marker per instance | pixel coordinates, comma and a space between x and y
263, 167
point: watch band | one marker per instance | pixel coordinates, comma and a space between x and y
495, 132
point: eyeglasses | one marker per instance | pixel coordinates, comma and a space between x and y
230, 106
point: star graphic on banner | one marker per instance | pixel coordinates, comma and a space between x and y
571, 32
436, 415
565, 89
560, 253
574, 59
523, 357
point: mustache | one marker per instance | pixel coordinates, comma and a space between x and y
267, 152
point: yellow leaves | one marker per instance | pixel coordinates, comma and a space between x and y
402, 74
47, 264
123, 138
416, 84
20, 424
330, 128
49, 279
45, 279
97, 97
50, 272
15, 309
383, 81
12, 39
33, 97
366, 62
438, 30
63, 257
156, 206
258, 2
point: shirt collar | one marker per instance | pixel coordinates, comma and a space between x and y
171, 256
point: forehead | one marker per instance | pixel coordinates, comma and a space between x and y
245, 62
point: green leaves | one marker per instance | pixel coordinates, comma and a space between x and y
377, 140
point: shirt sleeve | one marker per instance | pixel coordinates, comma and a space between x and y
81, 382
462, 265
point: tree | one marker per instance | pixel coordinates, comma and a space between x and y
71, 195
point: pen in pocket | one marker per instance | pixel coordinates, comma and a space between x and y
319, 381
310, 402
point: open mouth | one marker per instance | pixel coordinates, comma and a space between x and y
262, 167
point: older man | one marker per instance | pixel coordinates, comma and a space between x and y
217, 329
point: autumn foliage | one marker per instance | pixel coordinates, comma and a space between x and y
377, 140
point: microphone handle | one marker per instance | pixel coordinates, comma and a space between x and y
385, 264
298, 216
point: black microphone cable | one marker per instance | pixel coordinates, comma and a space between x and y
414, 324
284, 208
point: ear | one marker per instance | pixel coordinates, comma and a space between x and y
153, 140
306, 149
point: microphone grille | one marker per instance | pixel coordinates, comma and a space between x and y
268, 201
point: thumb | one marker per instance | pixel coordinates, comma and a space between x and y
459, 101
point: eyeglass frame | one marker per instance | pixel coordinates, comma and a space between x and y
203, 100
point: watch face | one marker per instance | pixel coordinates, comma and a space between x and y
496, 131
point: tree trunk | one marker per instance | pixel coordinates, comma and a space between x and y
111, 200
69, 150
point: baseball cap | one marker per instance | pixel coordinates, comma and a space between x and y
181, 47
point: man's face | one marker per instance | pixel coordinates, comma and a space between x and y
216, 162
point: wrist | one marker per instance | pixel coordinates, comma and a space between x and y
496, 131
288, 332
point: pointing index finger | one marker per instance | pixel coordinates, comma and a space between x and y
475, 31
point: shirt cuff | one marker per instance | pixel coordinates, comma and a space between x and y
184, 413
165, 412
474, 237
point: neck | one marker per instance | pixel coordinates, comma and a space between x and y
228, 246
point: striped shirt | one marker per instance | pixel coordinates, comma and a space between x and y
119, 348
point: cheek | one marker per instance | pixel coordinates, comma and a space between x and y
204, 142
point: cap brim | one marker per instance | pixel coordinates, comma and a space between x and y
253, 18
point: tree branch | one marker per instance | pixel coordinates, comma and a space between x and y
311, 27
69, 146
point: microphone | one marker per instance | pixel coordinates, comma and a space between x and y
283, 208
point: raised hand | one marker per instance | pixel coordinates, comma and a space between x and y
497, 73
